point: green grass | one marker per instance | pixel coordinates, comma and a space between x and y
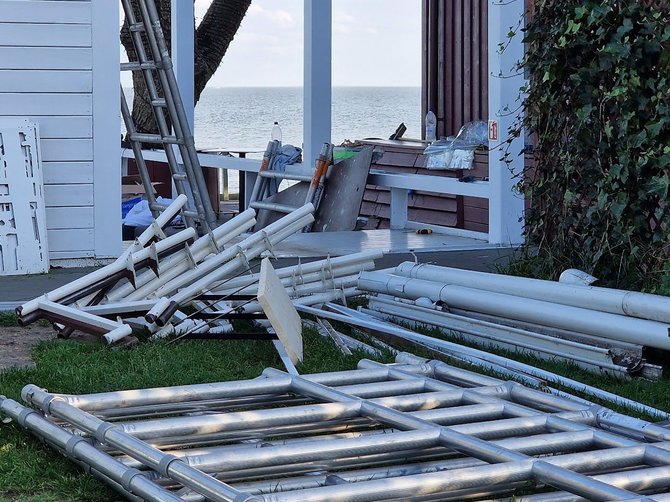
30, 471
8, 319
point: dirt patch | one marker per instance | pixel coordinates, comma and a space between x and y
16, 344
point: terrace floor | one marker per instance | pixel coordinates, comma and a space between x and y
400, 245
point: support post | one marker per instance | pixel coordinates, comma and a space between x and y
505, 83
317, 92
106, 153
183, 53
398, 208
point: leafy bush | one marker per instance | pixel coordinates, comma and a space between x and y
599, 108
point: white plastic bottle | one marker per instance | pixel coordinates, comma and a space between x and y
276, 132
431, 126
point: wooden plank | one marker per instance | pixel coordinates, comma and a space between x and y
45, 58
475, 214
484, 59
280, 311
433, 217
68, 240
397, 159
62, 127
16, 104
68, 195
475, 227
70, 218
60, 150
466, 22
49, 81
475, 61
476, 202
44, 35
46, 11
434, 202
63, 173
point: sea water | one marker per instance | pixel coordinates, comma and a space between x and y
243, 117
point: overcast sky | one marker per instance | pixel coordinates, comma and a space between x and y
375, 43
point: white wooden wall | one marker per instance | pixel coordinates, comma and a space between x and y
59, 66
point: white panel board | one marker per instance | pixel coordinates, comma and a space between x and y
63, 218
64, 127
59, 150
45, 58
23, 236
51, 81
61, 173
16, 104
280, 311
70, 240
68, 195
44, 35
47, 11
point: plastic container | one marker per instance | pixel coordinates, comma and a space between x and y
276, 132
431, 126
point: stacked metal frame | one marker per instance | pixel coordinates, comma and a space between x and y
157, 275
599, 329
413, 430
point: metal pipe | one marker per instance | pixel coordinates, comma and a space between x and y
117, 266
434, 425
108, 433
586, 356
514, 467
270, 232
179, 262
310, 299
234, 421
80, 449
178, 114
220, 266
293, 282
615, 301
219, 390
452, 348
653, 333
300, 270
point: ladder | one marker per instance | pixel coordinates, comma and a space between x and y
153, 61
267, 174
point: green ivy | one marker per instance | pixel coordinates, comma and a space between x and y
599, 108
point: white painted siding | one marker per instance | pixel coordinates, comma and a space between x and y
47, 74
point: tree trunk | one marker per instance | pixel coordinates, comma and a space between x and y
213, 36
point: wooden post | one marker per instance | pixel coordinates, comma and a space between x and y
505, 83
317, 93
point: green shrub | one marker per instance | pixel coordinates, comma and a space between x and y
598, 107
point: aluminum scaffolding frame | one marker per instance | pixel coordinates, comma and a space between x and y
155, 64
413, 430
